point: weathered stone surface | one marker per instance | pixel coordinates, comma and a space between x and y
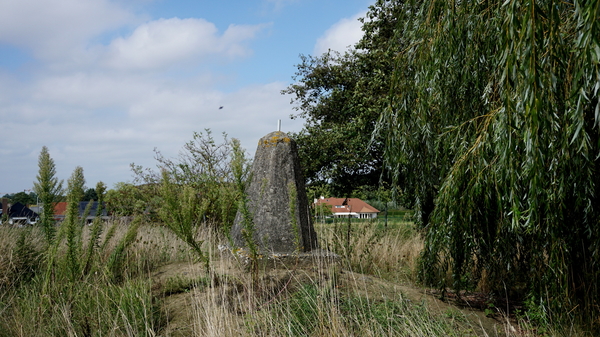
276, 176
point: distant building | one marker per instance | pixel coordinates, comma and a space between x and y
348, 207
19, 214
60, 210
4, 209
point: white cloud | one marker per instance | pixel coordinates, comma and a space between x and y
105, 106
104, 122
168, 41
89, 90
342, 34
52, 28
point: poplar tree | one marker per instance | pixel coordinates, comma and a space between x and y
49, 190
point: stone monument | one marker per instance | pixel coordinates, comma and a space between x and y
276, 200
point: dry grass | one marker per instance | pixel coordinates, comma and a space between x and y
16, 262
329, 301
166, 291
390, 252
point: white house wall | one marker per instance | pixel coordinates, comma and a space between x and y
356, 215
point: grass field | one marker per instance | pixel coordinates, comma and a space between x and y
138, 279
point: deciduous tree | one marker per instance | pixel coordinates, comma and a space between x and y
22, 198
90, 194
341, 96
204, 165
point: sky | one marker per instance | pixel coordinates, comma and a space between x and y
102, 83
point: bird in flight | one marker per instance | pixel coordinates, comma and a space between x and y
221, 107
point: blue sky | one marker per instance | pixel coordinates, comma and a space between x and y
102, 83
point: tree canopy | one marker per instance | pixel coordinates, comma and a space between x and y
23, 198
89, 195
486, 115
492, 126
341, 96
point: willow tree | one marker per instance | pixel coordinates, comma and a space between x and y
494, 118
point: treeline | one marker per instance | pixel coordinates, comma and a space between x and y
32, 198
485, 115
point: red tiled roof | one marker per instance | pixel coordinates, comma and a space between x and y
60, 208
347, 205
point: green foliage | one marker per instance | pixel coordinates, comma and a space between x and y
322, 211
129, 200
308, 312
27, 260
385, 315
48, 295
353, 240
82, 309
341, 96
23, 198
242, 175
72, 223
116, 260
381, 197
181, 212
90, 195
94, 239
293, 197
100, 192
203, 165
303, 310
199, 188
492, 130
179, 284
75, 186
317, 190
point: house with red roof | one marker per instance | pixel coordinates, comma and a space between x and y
348, 207
60, 211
